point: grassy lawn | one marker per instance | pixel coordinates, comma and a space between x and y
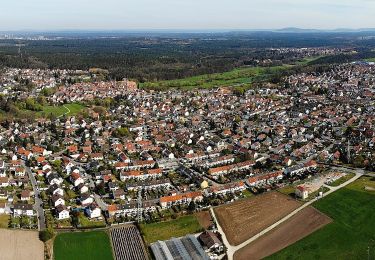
87, 223
242, 77
4, 221
237, 77
370, 59
351, 232
61, 110
247, 194
288, 190
306, 61
342, 179
82, 245
362, 183
174, 228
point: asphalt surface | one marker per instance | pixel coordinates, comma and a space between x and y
38, 206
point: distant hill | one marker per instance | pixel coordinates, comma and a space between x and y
302, 30
297, 30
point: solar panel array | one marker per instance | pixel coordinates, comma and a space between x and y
127, 244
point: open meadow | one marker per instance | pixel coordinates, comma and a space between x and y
237, 77
173, 228
69, 109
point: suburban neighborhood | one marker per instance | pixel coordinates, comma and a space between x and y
133, 155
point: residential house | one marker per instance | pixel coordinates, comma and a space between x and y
57, 200
93, 211
25, 195
23, 210
62, 212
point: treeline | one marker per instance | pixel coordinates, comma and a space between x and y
164, 57
345, 58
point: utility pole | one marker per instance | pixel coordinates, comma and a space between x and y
139, 205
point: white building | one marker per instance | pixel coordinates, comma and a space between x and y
93, 211
62, 212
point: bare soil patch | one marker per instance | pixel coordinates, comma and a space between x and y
297, 227
204, 219
245, 218
20, 245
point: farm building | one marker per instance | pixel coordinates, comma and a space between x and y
211, 241
302, 192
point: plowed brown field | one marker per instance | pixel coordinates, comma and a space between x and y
297, 227
245, 218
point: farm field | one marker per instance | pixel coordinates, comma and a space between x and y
297, 227
351, 232
82, 245
20, 245
245, 218
174, 228
204, 219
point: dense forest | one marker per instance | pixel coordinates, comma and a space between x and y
172, 56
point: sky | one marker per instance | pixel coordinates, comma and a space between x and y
184, 14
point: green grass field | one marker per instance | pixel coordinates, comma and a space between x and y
174, 228
288, 190
86, 223
94, 245
351, 232
370, 59
236, 77
342, 180
247, 194
241, 77
61, 110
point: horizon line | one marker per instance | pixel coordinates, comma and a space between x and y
176, 30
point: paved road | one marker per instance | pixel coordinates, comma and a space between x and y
232, 249
38, 202
100, 202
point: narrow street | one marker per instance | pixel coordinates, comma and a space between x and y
38, 206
